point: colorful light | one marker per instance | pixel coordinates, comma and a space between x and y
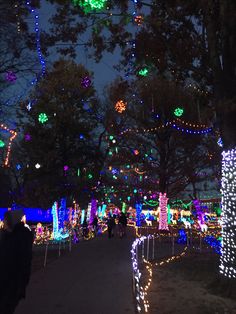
90, 5
27, 137
163, 221
66, 168
178, 112
228, 190
143, 72
13, 136
120, 106
138, 19
42, 117
86, 82
138, 207
2, 144
11, 76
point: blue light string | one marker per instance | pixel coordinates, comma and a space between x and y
39, 52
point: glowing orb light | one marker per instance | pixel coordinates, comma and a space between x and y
43, 118
120, 106
178, 112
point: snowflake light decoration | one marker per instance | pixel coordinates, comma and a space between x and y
120, 106
90, 5
11, 76
85, 82
43, 117
178, 112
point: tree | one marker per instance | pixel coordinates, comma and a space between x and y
57, 143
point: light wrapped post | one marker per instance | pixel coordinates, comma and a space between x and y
163, 224
228, 190
138, 207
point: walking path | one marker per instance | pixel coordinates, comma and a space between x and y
95, 278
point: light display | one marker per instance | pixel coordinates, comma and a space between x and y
228, 190
11, 76
93, 210
12, 137
178, 112
138, 19
66, 168
27, 137
90, 5
37, 166
42, 117
143, 72
2, 144
138, 207
57, 232
163, 224
86, 82
120, 106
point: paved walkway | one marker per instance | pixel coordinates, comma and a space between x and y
95, 278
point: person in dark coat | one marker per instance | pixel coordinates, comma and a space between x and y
15, 263
110, 226
95, 225
122, 224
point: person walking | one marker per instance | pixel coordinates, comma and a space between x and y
110, 226
122, 225
15, 261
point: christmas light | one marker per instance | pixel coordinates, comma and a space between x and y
143, 72
42, 118
90, 5
138, 19
2, 144
228, 190
178, 112
138, 207
37, 166
11, 76
163, 225
86, 82
27, 137
120, 106
13, 136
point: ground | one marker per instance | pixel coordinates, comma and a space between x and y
189, 285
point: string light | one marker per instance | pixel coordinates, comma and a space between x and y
13, 136
228, 190
11, 76
143, 72
86, 82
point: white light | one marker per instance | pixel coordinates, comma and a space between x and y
37, 166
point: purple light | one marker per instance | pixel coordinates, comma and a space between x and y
27, 137
11, 76
66, 168
85, 82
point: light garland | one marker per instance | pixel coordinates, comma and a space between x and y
11, 76
13, 136
228, 190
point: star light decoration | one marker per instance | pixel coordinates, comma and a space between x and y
42, 117
178, 112
90, 5
120, 106
86, 82
11, 76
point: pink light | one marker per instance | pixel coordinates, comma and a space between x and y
163, 221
